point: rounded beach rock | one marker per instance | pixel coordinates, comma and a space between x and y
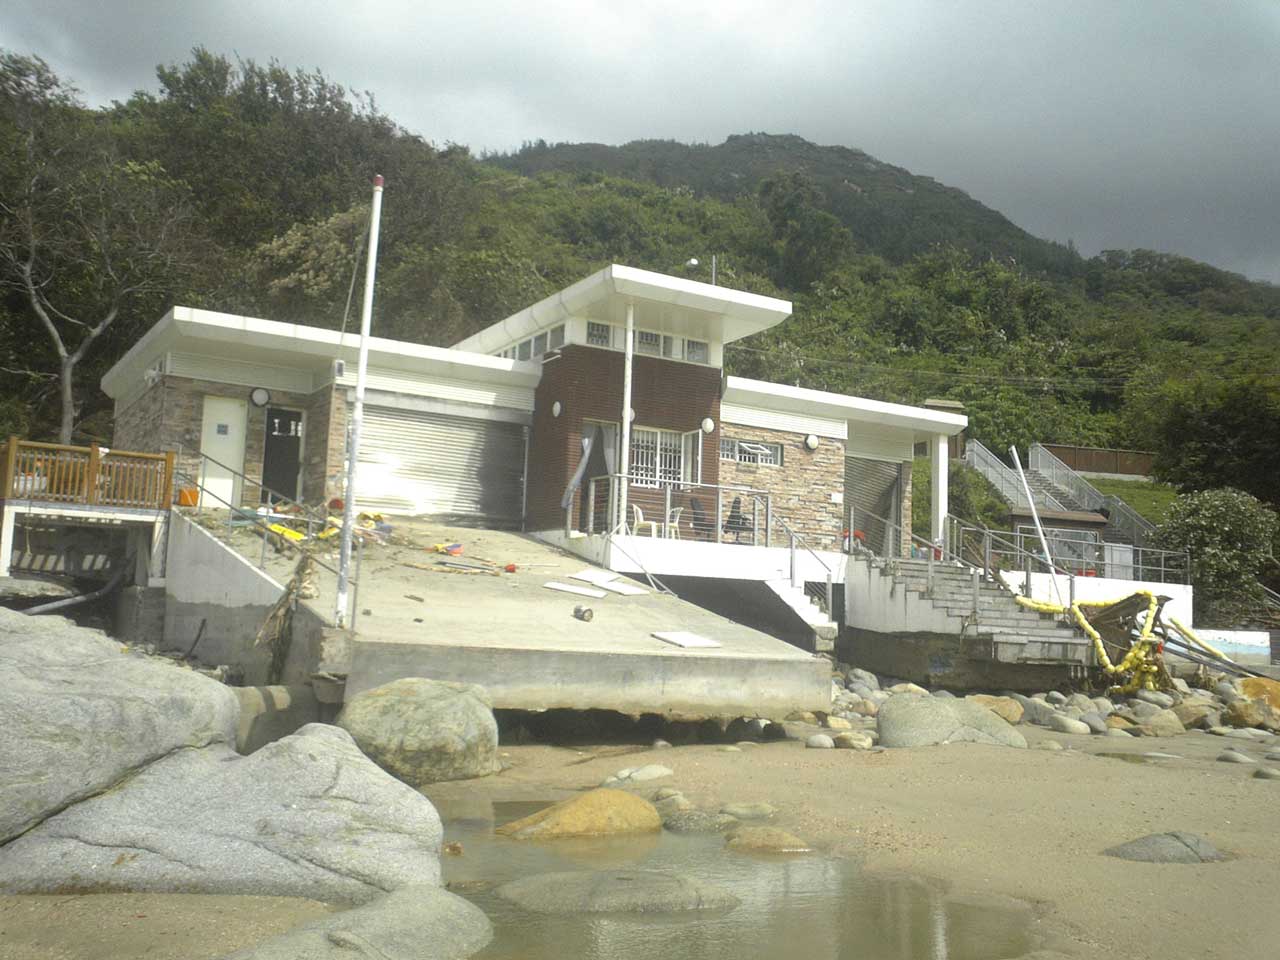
598, 813
425, 731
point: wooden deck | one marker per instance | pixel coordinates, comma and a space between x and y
55, 473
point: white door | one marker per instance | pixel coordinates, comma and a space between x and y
222, 439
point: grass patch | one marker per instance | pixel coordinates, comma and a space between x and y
1149, 498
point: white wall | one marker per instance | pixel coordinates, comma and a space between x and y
1105, 588
871, 602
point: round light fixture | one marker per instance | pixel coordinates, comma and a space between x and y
631, 414
708, 425
811, 441
260, 396
556, 408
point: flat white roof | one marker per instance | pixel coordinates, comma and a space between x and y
663, 303
301, 347
762, 394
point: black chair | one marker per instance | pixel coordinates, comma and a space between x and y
736, 523
700, 524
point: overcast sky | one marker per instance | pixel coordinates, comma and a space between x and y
1112, 123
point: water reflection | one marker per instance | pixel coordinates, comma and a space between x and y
815, 907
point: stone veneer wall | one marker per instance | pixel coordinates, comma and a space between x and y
801, 487
904, 484
169, 416
326, 445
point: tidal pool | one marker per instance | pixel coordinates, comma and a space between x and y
812, 906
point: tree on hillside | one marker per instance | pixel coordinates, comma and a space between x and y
85, 236
1231, 537
1211, 430
808, 242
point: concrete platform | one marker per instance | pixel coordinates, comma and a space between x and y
521, 641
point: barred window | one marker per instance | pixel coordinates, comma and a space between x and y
598, 334
695, 351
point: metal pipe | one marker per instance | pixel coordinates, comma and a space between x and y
768, 519
357, 414
355, 593
102, 591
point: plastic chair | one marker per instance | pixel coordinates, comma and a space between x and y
638, 522
673, 523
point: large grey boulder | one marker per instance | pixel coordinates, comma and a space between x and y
412, 923
1064, 724
79, 715
1035, 710
306, 816
615, 891
920, 721
1173, 847
424, 731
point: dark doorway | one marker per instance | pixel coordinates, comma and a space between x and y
281, 455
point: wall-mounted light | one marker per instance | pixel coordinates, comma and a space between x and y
631, 414
708, 425
811, 442
556, 408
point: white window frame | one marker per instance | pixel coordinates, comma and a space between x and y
765, 453
665, 457
649, 343
705, 350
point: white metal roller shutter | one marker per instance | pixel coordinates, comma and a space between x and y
872, 486
414, 462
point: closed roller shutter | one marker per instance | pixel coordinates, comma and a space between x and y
871, 487
413, 462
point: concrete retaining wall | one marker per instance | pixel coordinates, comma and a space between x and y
209, 582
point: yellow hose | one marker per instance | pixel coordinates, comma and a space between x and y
1141, 656
1186, 632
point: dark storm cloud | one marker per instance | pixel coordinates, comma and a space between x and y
1112, 124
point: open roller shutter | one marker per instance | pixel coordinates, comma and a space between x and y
872, 487
413, 462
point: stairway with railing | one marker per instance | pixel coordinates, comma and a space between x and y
1005, 480
1124, 524
954, 588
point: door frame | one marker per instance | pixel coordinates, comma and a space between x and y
237, 482
296, 496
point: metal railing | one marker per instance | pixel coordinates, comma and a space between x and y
796, 540
674, 509
893, 536
1004, 478
239, 515
1072, 553
1121, 516
678, 510
86, 476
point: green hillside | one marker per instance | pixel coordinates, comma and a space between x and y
888, 210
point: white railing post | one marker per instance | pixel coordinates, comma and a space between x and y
768, 519
591, 506
719, 513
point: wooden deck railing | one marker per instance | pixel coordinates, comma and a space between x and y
89, 476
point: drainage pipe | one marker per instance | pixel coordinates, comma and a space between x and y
102, 591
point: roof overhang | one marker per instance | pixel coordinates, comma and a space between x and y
836, 406
663, 303
232, 337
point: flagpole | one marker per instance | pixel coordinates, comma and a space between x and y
357, 412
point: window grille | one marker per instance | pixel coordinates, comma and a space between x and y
598, 334
648, 342
695, 351
751, 451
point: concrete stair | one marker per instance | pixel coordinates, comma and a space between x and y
1042, 488
824, 629
1010, 632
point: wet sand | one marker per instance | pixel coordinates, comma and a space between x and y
1029, 824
